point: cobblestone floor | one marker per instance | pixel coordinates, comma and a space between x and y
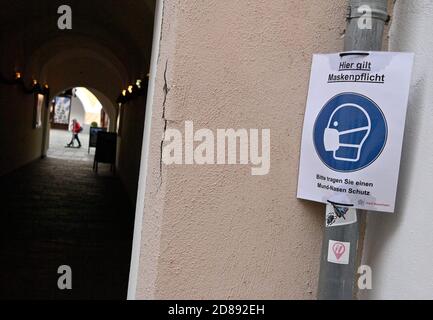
58, 141
57, 212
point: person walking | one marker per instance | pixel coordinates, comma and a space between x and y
76, 129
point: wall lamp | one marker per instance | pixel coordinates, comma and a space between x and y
18, 81
133, 91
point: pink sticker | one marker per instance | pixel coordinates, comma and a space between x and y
339, 249
339, 252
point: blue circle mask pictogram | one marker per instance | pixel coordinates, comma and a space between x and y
350, 132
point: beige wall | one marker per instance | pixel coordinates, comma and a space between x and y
216, 231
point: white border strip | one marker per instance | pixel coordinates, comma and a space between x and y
136, 243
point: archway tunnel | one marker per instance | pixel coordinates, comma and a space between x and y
57, 210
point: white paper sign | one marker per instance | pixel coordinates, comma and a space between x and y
353, 129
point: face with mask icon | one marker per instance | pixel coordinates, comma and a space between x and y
350, 132
348, 128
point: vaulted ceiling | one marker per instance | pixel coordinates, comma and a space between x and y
108, 47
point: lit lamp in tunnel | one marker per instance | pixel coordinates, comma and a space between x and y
36, 87
122, 98
138, 83
136, 90
140, 88
17, 75
132, 92
46, 92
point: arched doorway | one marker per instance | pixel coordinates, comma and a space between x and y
82, 105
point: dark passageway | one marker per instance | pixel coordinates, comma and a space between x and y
57, 212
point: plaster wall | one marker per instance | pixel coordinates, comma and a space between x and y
216, 231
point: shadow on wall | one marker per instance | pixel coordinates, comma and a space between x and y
20, 141
130, 145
